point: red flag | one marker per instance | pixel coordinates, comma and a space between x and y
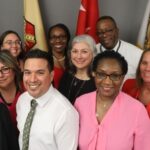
87, 18
33, 26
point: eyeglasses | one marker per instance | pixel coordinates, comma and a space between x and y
5, 70
10, 43
60, 37
113, 77
108, 31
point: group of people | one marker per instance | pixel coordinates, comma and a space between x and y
86, 96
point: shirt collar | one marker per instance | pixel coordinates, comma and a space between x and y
44, 98
115, 48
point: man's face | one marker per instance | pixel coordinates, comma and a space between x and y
107, 33
37, 78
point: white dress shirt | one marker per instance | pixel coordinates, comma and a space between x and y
131, 53
55, 124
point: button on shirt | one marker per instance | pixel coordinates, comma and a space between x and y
55, 124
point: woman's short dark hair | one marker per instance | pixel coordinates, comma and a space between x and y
111, 54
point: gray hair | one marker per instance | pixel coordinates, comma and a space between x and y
87, 39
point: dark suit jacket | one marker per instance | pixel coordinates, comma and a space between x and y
8, 137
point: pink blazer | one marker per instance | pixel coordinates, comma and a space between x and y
126, 126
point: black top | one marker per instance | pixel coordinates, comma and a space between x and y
8, 137
72, 87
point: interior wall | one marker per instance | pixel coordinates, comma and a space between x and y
128, 14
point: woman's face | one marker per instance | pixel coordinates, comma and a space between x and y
81, 55
145, 68
7, 76
58, 40
13, 44
108, 78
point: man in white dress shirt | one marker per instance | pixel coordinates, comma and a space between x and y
55, 122
108, 34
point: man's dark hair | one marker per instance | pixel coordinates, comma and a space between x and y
107, 18
38, 53
111, 54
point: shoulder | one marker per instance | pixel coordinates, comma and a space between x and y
129, 84
23, 99
60, 102
131, 46
66, 76
129, 102
90, 84
24, 95
130, 87
134, 111
85, 99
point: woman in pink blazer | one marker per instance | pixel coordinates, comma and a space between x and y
110, 119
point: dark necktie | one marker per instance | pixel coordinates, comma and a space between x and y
27, 126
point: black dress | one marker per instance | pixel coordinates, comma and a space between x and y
72, 87
8, 137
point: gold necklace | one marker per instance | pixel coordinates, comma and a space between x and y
103, 108
60, 59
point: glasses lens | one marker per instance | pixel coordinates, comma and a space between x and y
60, 37
5, 70
108, 31
13, 42
101, 75
17, 42
115, 77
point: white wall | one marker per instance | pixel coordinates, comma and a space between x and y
128, 14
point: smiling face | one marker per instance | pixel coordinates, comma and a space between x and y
13, 44
37, 77
108, 88
81, 55
7, 76
145, 67
58, 40
107, 33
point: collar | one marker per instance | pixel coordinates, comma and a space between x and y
42, 101
116, 48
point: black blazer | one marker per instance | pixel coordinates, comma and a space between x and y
8, 137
